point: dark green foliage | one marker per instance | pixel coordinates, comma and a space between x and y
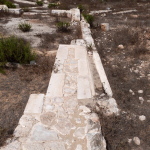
25, 27
81, 7
8, 3
89, 18
16, 50
39, 3
52, 5
63, 26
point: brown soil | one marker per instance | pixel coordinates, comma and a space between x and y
15, 88
126, 69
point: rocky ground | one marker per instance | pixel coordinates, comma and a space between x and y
124, 50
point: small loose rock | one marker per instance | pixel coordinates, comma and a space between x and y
140, 91
142, 117
136, 140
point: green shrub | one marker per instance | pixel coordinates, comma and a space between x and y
81, 8
89, 18
26, 9
52, 5
25, 27
63, 26
17, 50
8, 3
39, 3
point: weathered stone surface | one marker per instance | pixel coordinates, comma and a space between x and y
95, 141
15, 145
40, 133
54, 146
34, 104
47, 118
83, 88
83, 68
64, 126
109, 106
32, 146
79, 147
79, 133
3, 7
57, 80
85, 109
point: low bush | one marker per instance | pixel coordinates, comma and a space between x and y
52, 5
89, 18
39, 3
63, 26
81, 8
8, 3
16, 50
25, 27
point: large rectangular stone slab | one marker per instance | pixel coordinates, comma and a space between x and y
83, 68
62, 52
55, 88
80, 52
83, 88
35, 104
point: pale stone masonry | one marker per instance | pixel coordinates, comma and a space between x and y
57, 120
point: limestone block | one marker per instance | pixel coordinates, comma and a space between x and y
75, 12
54, 146
83, 88
40, 133
55, 88
32, 146
47, 118
15, 145
109, 106
35, 104
79, 133
102, 74
80, 53
62, 52
83, 68
17, 11
3, 7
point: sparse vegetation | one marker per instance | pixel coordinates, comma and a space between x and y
25, 27
8, 3
39, 3
63, 26
16, 50
52, 5
89, 18
81, 7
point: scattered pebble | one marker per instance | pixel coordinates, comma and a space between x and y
136, 140
148, 101
141, 99
131, 92
120, 46
142, 117
129, 140
140, 91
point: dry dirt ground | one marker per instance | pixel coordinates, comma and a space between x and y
127, 69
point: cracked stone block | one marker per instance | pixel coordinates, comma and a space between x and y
61, 113
47, 118
71, 103
79, 133
32, 146
54, 146
64, 126
35, 104
40, 133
